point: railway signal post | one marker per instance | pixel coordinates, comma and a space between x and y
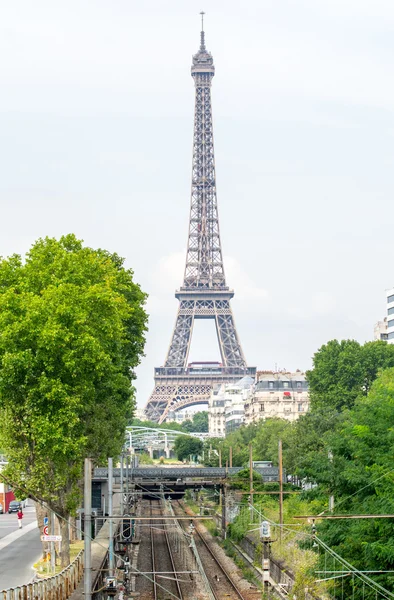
265, 535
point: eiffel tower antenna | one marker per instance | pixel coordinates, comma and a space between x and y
202, 43
204, 293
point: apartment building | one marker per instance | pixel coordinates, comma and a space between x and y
226, 406
277, 394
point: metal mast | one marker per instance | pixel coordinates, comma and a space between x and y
204, 294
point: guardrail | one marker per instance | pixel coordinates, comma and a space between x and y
57, 587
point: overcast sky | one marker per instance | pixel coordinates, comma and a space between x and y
96, 123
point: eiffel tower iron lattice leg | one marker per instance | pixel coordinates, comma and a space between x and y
204, 294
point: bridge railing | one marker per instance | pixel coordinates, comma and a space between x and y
57, 587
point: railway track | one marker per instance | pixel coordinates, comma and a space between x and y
162, 558
164, 561
222, 585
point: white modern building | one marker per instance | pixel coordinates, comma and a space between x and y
226, 406
277, 394
384, 330
390, 315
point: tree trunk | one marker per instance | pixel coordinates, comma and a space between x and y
72, 523
41, 512
65, 552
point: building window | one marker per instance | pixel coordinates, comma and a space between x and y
390, 323
270, 385
261, 407
390, 299
300, 407
285, 384
391, 311
391, 336
299, 385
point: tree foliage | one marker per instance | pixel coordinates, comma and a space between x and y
185, 446
155, 425
343, 371
72, 326
363, 480
198, 424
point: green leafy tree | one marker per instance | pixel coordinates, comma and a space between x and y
185, 446
72, 325
343, 371
306, 453
265, 445
200, 422
188, 426
155, 425
362, 447
238, 440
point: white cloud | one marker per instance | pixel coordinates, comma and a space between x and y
167, 275
244, 285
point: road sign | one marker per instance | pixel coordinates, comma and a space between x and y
45, 530
51, 538
46, 520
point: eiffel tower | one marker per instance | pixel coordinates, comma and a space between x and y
204, 294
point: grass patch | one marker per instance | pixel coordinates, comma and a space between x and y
247, 572
300, 560
43, 566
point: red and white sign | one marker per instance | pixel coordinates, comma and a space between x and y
45, 530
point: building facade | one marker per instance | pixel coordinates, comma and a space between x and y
384, 330
380, 330
181, 416
6, 493
390, 315
277, 394
226, 406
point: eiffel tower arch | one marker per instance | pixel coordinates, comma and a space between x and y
204, 293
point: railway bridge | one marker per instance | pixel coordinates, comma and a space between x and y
172, 479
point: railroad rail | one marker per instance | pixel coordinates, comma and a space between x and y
216, 584
156, 536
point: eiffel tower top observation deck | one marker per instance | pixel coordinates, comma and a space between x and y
204, 293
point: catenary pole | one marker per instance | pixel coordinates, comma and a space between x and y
121, 485
127, 482
53, 549
87, 584
280, 489
111, 523
251, 473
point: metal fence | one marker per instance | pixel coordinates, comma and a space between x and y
57, 587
